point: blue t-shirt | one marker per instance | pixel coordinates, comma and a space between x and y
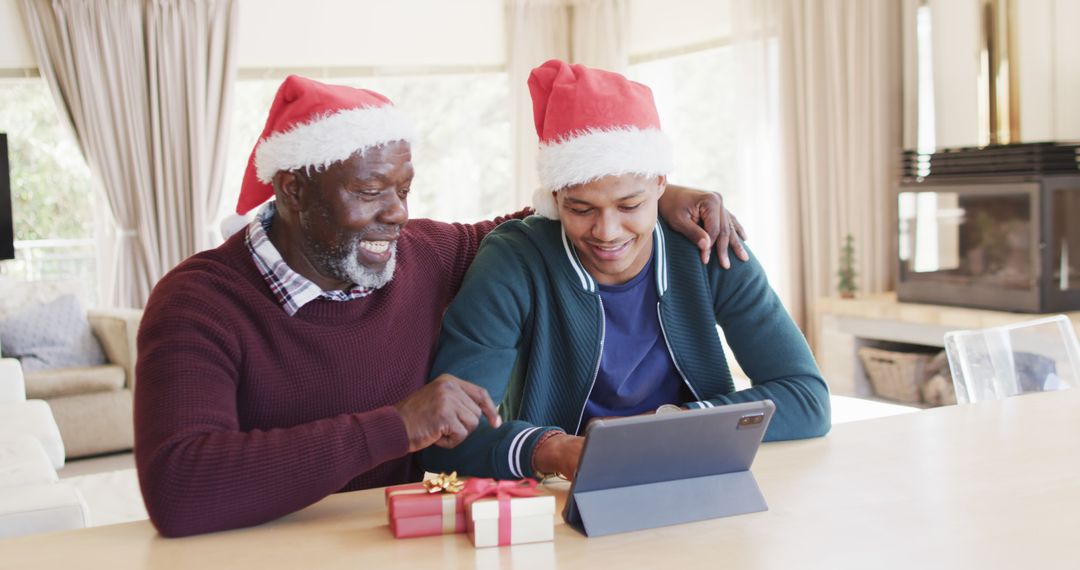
636, 371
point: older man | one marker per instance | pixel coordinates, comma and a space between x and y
289, 363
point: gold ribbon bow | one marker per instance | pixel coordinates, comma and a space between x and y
443, 483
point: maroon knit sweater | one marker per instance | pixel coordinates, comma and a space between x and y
244, 414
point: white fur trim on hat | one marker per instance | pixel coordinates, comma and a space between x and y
597, 153
329, 139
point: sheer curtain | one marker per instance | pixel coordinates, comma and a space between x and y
816, 133
758, 161
145, 86
591, 32
840, 84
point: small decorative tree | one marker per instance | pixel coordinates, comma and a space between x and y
846, 287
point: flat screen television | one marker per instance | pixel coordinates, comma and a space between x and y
7, 232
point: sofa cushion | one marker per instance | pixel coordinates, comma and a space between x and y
34, 418
23, 461
95, 423
53, 335
49, 384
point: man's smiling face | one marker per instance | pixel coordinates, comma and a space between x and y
353, 212
610, 222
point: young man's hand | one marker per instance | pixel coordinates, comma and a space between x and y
559, 454
445, 412
702, 218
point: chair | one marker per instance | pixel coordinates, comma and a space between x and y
998, 362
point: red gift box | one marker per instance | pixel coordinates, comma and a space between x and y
416, 511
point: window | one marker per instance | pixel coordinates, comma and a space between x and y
719, 106
462, 155
696, 106
51, 193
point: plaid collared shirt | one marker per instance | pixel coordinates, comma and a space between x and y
291, 289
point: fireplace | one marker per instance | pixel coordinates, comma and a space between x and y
992, 231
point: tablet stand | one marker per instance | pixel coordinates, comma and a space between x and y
622, 509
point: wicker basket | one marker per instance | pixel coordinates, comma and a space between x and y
895, 375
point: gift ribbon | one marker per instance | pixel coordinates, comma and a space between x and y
450, 485
444, 483
476, 489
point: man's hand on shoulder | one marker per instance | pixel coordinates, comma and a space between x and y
445, 412
702, 218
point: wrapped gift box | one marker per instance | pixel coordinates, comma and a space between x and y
414, 511
531, 519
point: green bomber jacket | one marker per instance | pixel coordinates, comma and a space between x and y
528, 325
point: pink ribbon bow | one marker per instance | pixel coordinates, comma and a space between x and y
476, 489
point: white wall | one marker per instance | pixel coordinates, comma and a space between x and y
356, 33
659, 25
956, 37
15, 50
1066, 70
1035, 50
1047, 67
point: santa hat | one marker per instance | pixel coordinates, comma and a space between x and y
592, 123
312, 124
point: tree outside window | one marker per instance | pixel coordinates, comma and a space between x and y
51, 192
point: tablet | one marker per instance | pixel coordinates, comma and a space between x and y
648, 471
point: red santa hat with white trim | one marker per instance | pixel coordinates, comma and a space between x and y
312, 124
592, 123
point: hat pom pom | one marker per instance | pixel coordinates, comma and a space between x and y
232, 224
544, 203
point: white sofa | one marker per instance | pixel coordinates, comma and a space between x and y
32, 498
92, 405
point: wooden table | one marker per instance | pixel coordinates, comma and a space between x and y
990, 485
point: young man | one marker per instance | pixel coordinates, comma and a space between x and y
289, 363
598, 308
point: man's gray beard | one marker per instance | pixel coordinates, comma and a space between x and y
345, 266
366, 276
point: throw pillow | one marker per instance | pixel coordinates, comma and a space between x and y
53, 335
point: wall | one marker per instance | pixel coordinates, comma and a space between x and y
15, 50
358, 33
662, 25
404, 33
1047, 66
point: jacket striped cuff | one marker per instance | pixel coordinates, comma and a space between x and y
519, 455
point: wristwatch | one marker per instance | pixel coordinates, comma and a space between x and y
668, 409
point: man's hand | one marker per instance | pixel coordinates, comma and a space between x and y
445, 412
559, 454
702, 218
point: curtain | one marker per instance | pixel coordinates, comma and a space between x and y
840, 90
536, 31
591, 32
145, 85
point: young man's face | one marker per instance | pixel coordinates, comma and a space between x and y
610, 222
353, 212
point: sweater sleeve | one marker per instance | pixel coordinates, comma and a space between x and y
771, 350
455, 244
481, 333
199, 470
